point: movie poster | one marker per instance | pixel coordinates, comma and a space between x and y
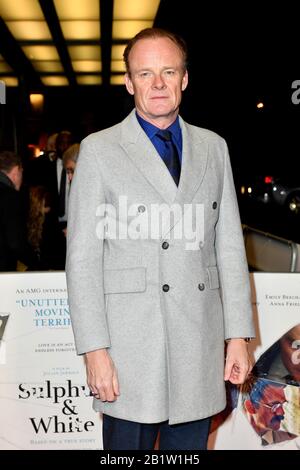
265, 415
45, 402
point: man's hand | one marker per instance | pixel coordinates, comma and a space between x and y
238, 364
102, 375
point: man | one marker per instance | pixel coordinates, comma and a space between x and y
48, 171
70, 157
63, 142
13, 235
281, 361
265, 408
146, 307
53, 176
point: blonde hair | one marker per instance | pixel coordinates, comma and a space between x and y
71, 154
51, 142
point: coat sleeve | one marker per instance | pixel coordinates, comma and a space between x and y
84, 265
232, 262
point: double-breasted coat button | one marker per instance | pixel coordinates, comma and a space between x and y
215, 205
141, 209
166, 288
201, 244
165, 245
201, 286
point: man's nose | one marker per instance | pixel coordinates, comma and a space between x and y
158, 82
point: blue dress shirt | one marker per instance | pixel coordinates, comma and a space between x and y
151, 131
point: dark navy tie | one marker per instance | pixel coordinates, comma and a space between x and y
170, 156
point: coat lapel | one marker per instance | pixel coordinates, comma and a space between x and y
145, 157
143, 154
194, 163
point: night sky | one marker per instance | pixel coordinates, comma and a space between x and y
242, 53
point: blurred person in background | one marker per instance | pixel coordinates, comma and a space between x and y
51, 174
14, 246
70, 157
41, 229
50, 150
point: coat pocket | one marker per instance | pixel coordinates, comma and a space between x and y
213, 277
117, 281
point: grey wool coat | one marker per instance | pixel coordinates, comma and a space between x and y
162, 310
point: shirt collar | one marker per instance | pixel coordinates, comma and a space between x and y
151, 130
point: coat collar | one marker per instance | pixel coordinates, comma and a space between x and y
143, 154
141, 151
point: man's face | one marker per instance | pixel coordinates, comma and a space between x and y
270, 412
157, 79
63, 142
290, 351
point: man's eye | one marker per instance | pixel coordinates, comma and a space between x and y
170, 72
144, 74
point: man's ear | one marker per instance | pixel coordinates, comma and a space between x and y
249, 407
185, 81
129, 85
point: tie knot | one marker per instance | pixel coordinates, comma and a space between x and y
164, 134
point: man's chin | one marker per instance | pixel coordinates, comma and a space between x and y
275, 425
162, 111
